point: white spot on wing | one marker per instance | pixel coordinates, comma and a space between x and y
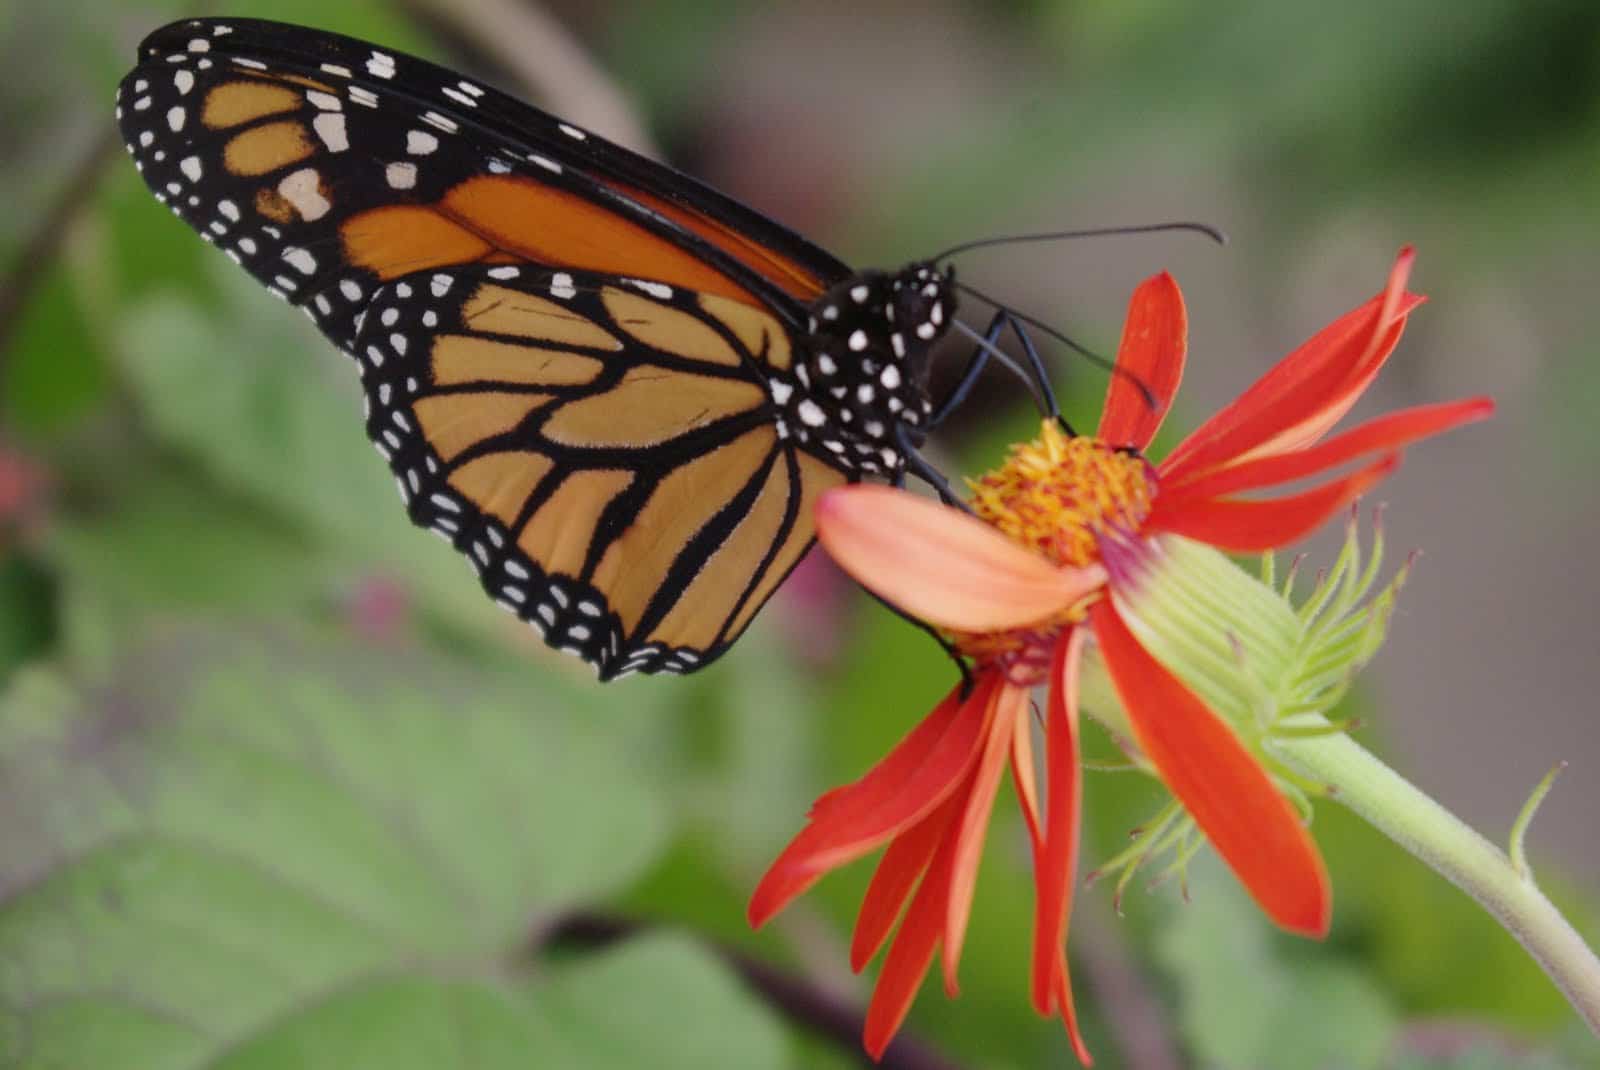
401, 175
658, 290
329, 126
420, 142
175, 117
302, 190
301, 260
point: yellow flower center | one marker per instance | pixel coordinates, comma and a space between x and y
1059, 493
1056, 495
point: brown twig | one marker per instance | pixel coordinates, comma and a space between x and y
544, 56
1131, 1009
797, 998
28, 269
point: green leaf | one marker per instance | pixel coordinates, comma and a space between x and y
1481, 1057
267, 849
52, 371
171, 543
273, 412
27, 612
615, 1012
1244, 1002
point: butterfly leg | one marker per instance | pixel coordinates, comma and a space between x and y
944, 644
919, 466
969, 375
1036, 364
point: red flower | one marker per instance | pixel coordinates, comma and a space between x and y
1074, 525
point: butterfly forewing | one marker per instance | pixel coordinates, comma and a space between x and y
603, 452
328, 167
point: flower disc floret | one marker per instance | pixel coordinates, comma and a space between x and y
1059, 493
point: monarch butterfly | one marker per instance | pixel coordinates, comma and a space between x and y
616, 391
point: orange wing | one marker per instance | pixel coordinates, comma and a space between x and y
328, 167
602, 450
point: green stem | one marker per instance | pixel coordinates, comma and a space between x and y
1470, 862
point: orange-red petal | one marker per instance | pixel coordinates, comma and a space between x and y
1056, 852
906, 860
910, 955
1306, 393
922, 771
972, 826
1022, 778
1254, 526
1057, 859
1385, 433
884, 782
1149, 364
1222, 785
940, 564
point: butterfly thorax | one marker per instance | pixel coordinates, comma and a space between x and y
863, 370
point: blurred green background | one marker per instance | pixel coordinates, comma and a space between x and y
279, 787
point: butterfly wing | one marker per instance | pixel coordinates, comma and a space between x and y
609, 463
328, 167
599, 451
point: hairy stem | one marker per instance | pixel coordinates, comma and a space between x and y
1463, 857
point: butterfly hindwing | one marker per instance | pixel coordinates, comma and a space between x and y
603, 451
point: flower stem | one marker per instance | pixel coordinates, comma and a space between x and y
1470, 862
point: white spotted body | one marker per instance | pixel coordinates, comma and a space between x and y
866, 368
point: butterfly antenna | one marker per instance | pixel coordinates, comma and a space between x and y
1084, 351
1092, 232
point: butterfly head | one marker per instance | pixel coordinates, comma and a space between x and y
864, 373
